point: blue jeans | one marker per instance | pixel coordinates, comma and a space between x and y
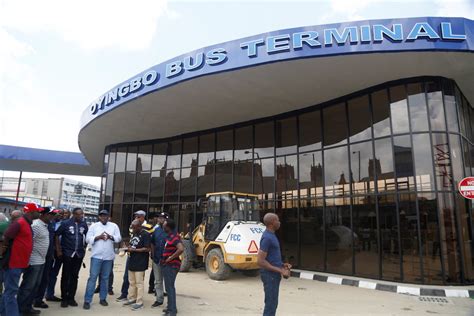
169, 276
102, 267
125, 283
9, 304
29, 286
53, 277
271, 287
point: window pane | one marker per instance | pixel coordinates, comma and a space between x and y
186, 216
225, 145
173, 159
423, 162
132, 158
465, 237
364, 219
384, 165
338, 235
310, 131
120, 160
129, 186
102, 189
359, 118
243, 176
460, 112
362, 168
442, 162
118, 187
435, 105
206, 149
144, 158
109, 188
456, 159
288, 232
417, 105
106, 161
172, 185
286, 181
427, 205
264, 176
335, 125
465, 107
449, 241
264, 144
336, 171
159, 156
388, 221
286, 138
403, 163
398, 109
381, 110
311, 175
111, 167
467, 159
142, 184
224, 176
243, 143
205, 180
450, 106
409, 236
188, 185
311, 232
190, 149
157, 186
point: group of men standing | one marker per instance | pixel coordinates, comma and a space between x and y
39, 241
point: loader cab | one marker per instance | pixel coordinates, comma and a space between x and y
224, 207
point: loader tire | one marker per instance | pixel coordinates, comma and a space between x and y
188, 256
216, 268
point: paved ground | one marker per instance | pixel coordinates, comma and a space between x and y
198, 295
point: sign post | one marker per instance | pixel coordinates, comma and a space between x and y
466, 188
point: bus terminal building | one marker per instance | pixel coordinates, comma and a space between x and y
356, 134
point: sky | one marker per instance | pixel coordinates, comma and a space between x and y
56, 56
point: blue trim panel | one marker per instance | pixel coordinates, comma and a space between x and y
281, 46
42, 155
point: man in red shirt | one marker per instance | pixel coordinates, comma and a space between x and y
171, 263
17, 248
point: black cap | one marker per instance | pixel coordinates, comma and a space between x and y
104, 212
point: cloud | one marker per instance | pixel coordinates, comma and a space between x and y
92, 25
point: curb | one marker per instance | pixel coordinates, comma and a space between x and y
381, 286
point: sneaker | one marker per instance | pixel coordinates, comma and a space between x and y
128, 303
136, 307
31, 311
53, 299
156, 304
72, 303
121, 299
103, 303
64, 304
86, 305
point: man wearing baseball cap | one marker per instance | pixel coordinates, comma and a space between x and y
17, 248
34, 273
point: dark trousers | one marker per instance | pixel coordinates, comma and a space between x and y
169, 276
9, 303
151, 281
29, 286
53, 276
71, 267
44, 280
125, 283
110, 286
271, 287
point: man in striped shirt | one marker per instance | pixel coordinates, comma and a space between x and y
33, 274
171, 263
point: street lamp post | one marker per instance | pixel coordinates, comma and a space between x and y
358, 152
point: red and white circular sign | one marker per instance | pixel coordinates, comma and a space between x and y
466, 188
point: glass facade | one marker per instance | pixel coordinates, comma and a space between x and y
365, 185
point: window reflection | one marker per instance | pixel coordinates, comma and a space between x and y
362, 168
389, 238
335, 125
402, 151
336, 171
286, 137
339, 235
417, 105
206, 149
383, 164
398, 110
142, 184
423, 162
409, 238
243, 143
287, 211
310, 131
435, 105
359, 118
450, 106
442, 162
311, 175
111, 167
173, 159
312, 235
287, 177
120, 160
132, 158
144, 158
190, 149
381, 110
225, 145
159, 156
264, 140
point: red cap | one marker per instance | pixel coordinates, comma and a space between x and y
32, 207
